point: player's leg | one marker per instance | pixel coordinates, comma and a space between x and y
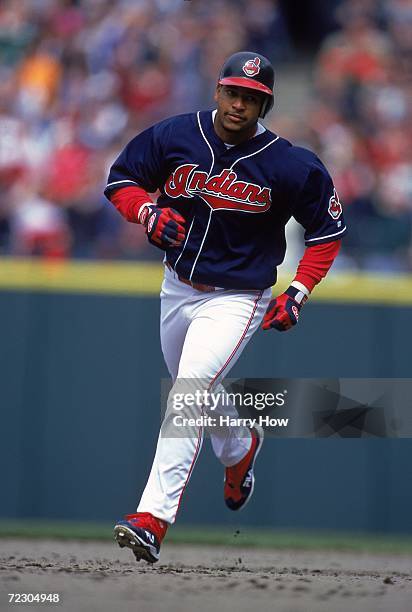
143, 531
229, 442
177, 449
174, 320
220, 328
237, 452
233, 315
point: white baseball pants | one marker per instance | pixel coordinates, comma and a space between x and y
202, 337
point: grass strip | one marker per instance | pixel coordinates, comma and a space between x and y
243, 537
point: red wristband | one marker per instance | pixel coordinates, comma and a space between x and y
129, 201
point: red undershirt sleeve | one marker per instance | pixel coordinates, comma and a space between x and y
316, 262
129, 201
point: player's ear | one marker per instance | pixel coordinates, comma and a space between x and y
217, 92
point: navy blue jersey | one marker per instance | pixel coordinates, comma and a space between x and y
236, 201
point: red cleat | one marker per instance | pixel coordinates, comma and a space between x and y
239, 478
143, 533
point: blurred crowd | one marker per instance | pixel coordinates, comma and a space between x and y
360, 123
79, 78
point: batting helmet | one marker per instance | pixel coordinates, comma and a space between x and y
251, 70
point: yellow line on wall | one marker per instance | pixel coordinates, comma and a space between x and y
112, 277
144, 278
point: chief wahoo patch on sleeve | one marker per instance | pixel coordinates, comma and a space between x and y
335, 207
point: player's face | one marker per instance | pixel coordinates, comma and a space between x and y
238, 111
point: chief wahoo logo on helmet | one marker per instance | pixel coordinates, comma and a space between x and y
252, 67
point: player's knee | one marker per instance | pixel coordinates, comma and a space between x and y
197, 371
187, 395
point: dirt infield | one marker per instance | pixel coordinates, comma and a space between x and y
99, 577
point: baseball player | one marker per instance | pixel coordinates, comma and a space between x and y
228, 186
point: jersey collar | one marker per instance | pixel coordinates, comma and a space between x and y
206, 120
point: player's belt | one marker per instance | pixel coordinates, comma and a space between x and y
197, 286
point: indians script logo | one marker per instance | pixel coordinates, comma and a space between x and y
335, 207
252, 67
222, 191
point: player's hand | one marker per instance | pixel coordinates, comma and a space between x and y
282, 312
164, 226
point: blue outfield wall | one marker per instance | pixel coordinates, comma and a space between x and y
80, 384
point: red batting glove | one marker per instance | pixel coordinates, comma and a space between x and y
164, 226
283, 312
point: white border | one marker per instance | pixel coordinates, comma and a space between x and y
207, 142
201, 246
328, 236
117, 182
255, 152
